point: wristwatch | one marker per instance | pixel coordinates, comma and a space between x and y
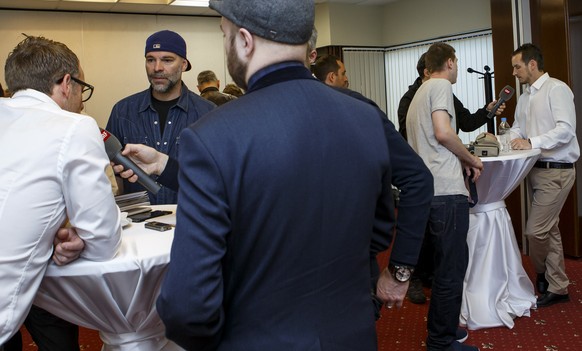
400, 273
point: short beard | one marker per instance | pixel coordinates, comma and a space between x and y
236, 68
163, 89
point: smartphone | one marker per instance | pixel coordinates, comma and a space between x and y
140, 217
159, 226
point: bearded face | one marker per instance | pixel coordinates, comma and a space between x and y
236, 67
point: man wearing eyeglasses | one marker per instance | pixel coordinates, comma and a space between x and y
156, 116
52, 171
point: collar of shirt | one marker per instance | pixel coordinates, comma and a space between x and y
35, 94
538, 83
182, 101
209, 89
264, 72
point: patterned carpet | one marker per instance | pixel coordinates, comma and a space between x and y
554, 328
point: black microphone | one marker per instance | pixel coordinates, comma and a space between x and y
504, 95
113, 148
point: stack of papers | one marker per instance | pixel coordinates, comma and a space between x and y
133, 203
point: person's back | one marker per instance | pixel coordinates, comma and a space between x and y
215, 96
301, 208
282, 200
52, 171
208, 86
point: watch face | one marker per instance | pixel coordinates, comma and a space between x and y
402, 274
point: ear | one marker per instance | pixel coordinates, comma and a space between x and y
62, 91
330, 78
246, 42
312, 56
218, 83
64, 88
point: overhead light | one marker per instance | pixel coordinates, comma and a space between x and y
91, 0
146, 2
192, 3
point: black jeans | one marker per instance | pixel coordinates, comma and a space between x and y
49, 332
448, 227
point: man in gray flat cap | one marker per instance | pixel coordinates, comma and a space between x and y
283, 197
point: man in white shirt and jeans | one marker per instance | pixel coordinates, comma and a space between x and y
545, 118
52, 172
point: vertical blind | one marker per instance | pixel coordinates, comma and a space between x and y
384, 75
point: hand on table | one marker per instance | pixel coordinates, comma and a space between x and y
67, 246
520, 144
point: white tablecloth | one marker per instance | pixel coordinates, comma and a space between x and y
116, 297
496, 288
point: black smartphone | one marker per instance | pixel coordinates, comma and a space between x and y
159, 226
140, 217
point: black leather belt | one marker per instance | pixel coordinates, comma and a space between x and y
557, 165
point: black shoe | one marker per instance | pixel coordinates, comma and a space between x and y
541, 283
415, 293
461, 335
550, 298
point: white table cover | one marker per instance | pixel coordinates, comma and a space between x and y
116, 297
496, 287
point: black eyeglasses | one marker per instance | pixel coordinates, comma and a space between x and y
87, 91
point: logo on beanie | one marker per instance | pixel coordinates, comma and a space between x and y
157, 46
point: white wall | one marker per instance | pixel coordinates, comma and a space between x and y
409, 21
399, 22
111, 48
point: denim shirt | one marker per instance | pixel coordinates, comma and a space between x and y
134, 120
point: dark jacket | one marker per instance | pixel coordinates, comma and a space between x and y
282, 193
214, 95
466, 121
134, 120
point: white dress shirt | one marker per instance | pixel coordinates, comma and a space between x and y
546, 115
52, 168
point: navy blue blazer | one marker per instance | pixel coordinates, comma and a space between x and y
282, 194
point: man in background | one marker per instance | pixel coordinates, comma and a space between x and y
156, 116
331, 70
466, 122
545, 118
429, 123
233, 89
55, 175
209, 85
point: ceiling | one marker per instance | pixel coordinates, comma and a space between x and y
161, 7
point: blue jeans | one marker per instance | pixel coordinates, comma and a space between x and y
448, 227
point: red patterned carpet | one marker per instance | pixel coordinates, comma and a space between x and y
554, 328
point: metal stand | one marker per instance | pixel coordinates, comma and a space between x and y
487, 79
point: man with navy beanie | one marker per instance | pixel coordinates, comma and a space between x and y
283, 196
156, 116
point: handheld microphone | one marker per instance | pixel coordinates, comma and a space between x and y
113, 149
505, 94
